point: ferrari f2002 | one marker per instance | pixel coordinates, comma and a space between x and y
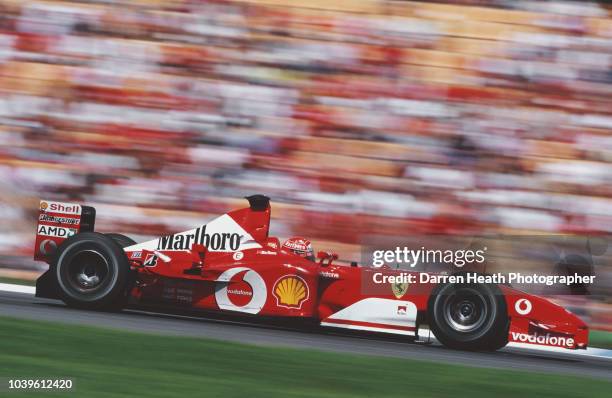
231, 265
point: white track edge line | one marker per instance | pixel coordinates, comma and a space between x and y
9, 287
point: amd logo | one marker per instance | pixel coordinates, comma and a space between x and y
216, 241
59, 232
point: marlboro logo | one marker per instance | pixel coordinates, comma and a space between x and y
222, 234
216, 241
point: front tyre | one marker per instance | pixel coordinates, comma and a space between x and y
92, 271
469, 316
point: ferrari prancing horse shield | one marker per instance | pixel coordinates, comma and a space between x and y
399, 289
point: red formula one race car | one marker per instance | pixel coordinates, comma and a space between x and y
232, 265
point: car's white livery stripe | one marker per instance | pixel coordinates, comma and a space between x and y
390, 316
369, 328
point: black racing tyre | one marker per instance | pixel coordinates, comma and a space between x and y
92, 271
121, 240
469, 316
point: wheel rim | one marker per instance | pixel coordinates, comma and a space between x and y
87, 271
465, 310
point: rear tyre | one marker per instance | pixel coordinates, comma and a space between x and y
92, 271
122, 240
469, 316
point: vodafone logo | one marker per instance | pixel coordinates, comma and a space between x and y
47, 246
241, 289
543, 339
522, 306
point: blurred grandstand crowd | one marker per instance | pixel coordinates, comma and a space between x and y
357, 117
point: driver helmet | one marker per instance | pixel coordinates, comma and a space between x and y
300, 246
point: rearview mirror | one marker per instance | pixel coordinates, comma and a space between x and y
198, 254
199, 250
325, 255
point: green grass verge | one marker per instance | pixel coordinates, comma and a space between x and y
17, 281
599, 338
108, 363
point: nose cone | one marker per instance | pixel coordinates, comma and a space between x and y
550, 313
575, 319
577, 327
537, 316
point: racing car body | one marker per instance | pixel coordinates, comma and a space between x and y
232, 265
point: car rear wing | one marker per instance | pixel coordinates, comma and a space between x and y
56, 222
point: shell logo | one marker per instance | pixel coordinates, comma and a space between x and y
43, 206
290, 291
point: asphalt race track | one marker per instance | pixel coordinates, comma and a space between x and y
26, 306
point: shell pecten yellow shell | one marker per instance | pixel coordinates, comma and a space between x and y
290, 291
